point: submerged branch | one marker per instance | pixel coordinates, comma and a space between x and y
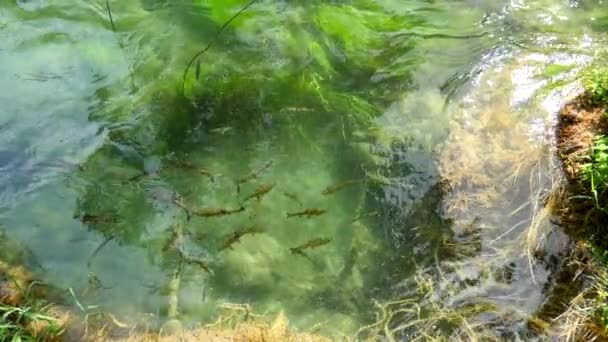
99, 248
110, 15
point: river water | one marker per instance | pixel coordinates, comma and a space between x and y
320, 158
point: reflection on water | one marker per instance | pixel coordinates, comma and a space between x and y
322, 156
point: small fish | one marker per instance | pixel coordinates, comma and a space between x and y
308, 213
214, 212
189, 166
199, 263
236, 236
136, 178
221, 130
89, 218
180, 164
95, 219
173, 242
207, 173
339, 186
314, 243
293, 197
364, 215
178, 200
254, 174
94, 281
259, 192
296, 109
198, 70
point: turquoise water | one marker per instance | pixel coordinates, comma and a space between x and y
397, 123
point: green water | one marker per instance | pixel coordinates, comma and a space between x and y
403, 106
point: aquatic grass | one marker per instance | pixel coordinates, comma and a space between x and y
201, 52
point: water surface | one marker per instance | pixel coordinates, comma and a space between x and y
418, 132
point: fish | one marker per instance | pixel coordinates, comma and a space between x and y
339, 186
95, 219
364, 215
252, 175
178, 200
215, 212
207, 173
198, 70
89, 218
308, 213
296, 109
236, 236
293, 197
259, 192
174, 241
136, 178
221, 130
189, 166
314, 243
181, 165
203, 265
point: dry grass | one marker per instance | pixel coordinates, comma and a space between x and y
254, 330
13, 283
578, 319
580, 121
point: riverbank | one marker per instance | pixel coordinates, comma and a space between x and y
581, 147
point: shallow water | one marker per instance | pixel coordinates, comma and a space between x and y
420, 131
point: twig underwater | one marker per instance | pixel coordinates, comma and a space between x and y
110, 16
98, 249
201, 52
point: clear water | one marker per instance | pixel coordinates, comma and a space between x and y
432, 120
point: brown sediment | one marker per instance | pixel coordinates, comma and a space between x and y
580, 121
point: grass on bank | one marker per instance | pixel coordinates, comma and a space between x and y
23, 316
27, 323
594, 185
